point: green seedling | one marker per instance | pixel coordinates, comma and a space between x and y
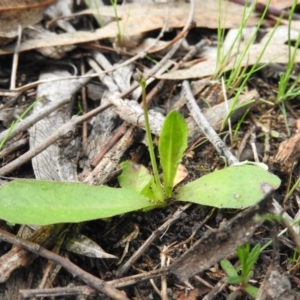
157, 186
241, 275
46, 202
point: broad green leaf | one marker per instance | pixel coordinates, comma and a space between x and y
251, 290
233, 187
134, 176
228, 268
235, 279
171, 146
49, 202
137, 177
151, 191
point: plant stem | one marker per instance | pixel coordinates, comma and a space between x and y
149, 140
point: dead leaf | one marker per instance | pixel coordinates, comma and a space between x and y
80, 244
180, 174
137, 18
23, 12
288, 153
275, 53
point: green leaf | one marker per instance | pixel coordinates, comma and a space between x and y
251, 290
152, 192
234, 187
138, 177
228, 268
242, 253
171, 146
235, 279
49, 202
252, 258
134, 176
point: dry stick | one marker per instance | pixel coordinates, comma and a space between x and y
244, 141
106, 79
58, 134
10, 102
267, 141
117, 283
32, 119
216, 141
216, 289
51, 264
112, 86
111, 160
84, 106
89, 279
14, 147
205, 126
15, 59
253, 146
111, 143
163, 258
18, 257
126, 266
60, 291
134, 279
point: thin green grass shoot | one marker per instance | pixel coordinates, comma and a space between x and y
16, 122
98, 14
239, 124
120, 32
286, 90
255, 67
224, 58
